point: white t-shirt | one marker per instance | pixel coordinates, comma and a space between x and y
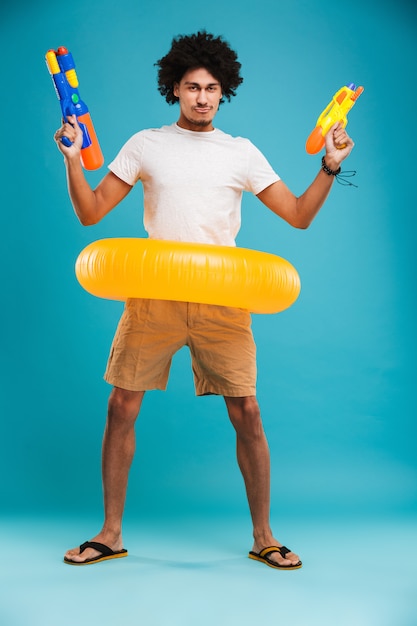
192, 181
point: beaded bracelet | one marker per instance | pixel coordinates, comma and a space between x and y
328, 170
336, 173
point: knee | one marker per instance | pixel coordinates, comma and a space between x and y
245, 416
123, 405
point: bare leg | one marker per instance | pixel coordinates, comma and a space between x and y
254, 463
118, 451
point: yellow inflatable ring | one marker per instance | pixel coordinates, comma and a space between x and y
170, 270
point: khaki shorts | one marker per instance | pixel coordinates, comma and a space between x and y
150, 332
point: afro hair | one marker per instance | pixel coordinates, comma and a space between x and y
195, 51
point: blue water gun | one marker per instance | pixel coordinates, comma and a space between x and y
61, 66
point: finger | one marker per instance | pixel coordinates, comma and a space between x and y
332, 133
66, 131
75, 127
340, 137
72, 119
337, 126
342, 140
69, 132
71, 123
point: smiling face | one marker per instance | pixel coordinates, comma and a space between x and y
199, 95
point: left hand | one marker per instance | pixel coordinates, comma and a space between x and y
338, 145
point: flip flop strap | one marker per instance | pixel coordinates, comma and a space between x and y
267, 551
283, 551
100, 547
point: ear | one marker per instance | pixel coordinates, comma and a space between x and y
175, 91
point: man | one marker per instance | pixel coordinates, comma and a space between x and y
193, 176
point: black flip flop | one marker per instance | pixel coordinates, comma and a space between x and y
106, 553
263, 557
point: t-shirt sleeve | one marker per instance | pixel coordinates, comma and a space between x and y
128, 163
260, 172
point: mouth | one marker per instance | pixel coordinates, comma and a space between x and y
202, 110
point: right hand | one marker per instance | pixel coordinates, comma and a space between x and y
73, 132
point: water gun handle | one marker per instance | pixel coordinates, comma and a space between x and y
336, 111
66, 142
91, 155
62, 69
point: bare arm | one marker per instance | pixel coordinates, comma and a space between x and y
300, 211
90, 205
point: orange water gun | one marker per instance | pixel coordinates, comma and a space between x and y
336, 111
61, 66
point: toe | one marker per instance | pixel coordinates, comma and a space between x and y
76, 555
70, 554
293, 558
275, 556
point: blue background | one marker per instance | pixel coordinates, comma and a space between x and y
336, 371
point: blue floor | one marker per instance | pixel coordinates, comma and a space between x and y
196, 573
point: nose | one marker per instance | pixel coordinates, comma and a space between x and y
202, 96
